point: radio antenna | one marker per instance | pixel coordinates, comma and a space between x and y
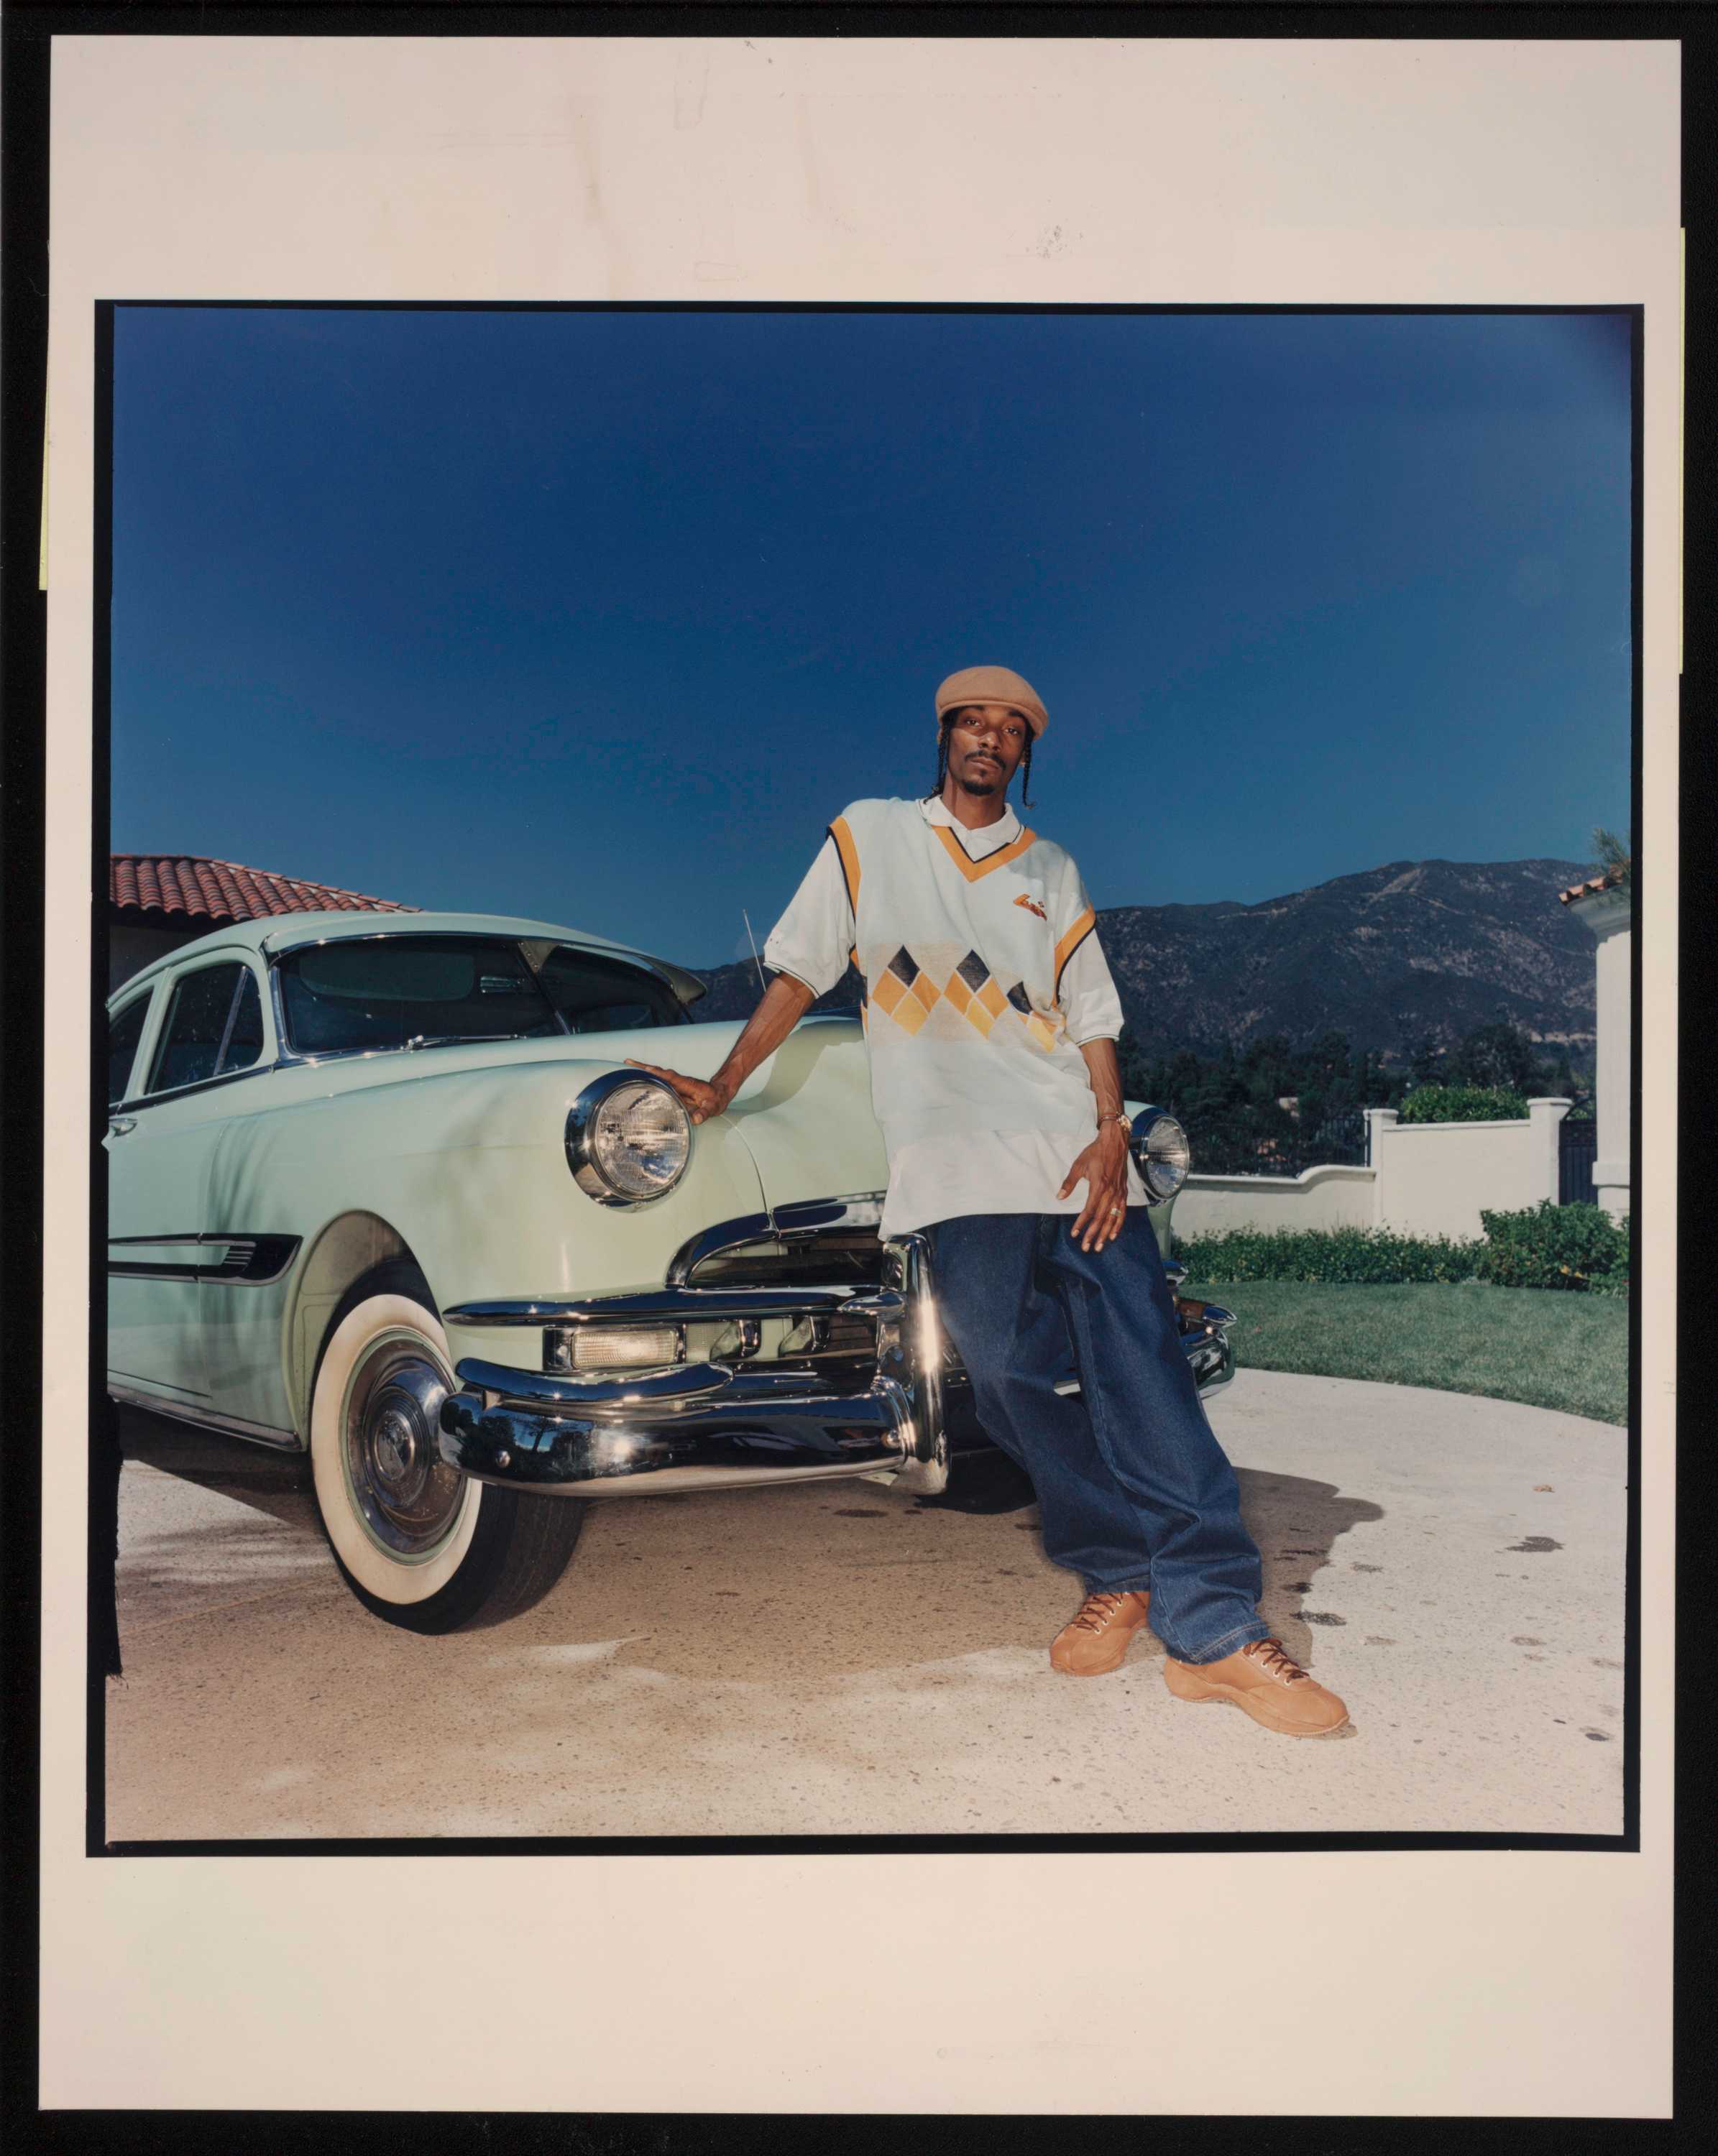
752, 941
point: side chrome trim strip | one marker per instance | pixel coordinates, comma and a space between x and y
256, 1433
263, 1259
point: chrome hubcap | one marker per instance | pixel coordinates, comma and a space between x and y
407, 1498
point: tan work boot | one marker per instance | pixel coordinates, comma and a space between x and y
1273, 1689
1098, 1638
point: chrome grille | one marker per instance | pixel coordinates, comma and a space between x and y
833, 1257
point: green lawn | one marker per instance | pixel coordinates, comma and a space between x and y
1550, 1349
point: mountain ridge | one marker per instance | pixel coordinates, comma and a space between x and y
1390, 956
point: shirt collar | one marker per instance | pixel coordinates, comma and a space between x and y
976, 845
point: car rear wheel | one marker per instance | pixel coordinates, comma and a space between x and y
419, 1544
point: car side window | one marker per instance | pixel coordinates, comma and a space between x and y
214, 1025
125, 1030
597, 995
245, 1034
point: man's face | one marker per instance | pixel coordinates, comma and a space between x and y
987, 742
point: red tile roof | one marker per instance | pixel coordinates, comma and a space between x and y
1593, 884
223, 890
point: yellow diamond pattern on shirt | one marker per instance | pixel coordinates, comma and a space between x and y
906, 992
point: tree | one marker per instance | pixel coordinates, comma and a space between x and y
1135, 1086
1616, 858
1498, 1054
1426, 1063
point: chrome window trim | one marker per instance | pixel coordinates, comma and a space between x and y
197, 1085
232, 955
145, 996
274, 959
288, 1053
635, 965
181, 975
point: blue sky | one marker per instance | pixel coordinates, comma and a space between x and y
600, 617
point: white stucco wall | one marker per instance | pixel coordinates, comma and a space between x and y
1436, 1178
1610, 916
1425, 1179
1323, 1197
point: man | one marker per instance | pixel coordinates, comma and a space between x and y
992, 1020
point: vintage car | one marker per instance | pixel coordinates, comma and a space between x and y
392, 1196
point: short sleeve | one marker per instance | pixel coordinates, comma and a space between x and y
1085, 989
813, 939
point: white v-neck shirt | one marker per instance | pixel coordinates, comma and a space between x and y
959, 1170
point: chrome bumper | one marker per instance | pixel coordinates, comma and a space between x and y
714, 1425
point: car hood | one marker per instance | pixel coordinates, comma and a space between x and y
804, 1116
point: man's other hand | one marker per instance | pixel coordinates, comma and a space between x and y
1103, 1167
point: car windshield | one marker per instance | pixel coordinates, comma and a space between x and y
422, 991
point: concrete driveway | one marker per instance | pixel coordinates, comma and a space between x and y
837, 1659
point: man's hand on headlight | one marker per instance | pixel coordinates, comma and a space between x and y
785, 1001
700, 1098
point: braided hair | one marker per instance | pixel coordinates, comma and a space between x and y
1026, 762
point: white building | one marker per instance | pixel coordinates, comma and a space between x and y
1607, 906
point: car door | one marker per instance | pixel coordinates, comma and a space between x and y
205, 1031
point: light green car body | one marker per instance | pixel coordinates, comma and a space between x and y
454, 1156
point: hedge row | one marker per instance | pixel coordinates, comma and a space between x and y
1462, 1104
1546, 1245
1351, 1255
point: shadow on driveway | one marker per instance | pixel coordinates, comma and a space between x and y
1296, 1523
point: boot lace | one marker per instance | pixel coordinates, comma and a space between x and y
1271, 1657
1096, 1611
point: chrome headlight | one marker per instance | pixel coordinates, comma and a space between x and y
1160, 1152
628, 1139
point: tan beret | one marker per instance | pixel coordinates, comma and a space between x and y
992, 685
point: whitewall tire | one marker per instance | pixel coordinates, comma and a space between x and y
420, 1545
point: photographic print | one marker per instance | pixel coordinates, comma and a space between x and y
502, 701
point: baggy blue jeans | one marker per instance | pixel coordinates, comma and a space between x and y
1133, 1490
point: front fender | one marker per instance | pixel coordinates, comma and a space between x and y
468, 1170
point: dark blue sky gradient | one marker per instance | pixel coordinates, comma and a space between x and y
602, 616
